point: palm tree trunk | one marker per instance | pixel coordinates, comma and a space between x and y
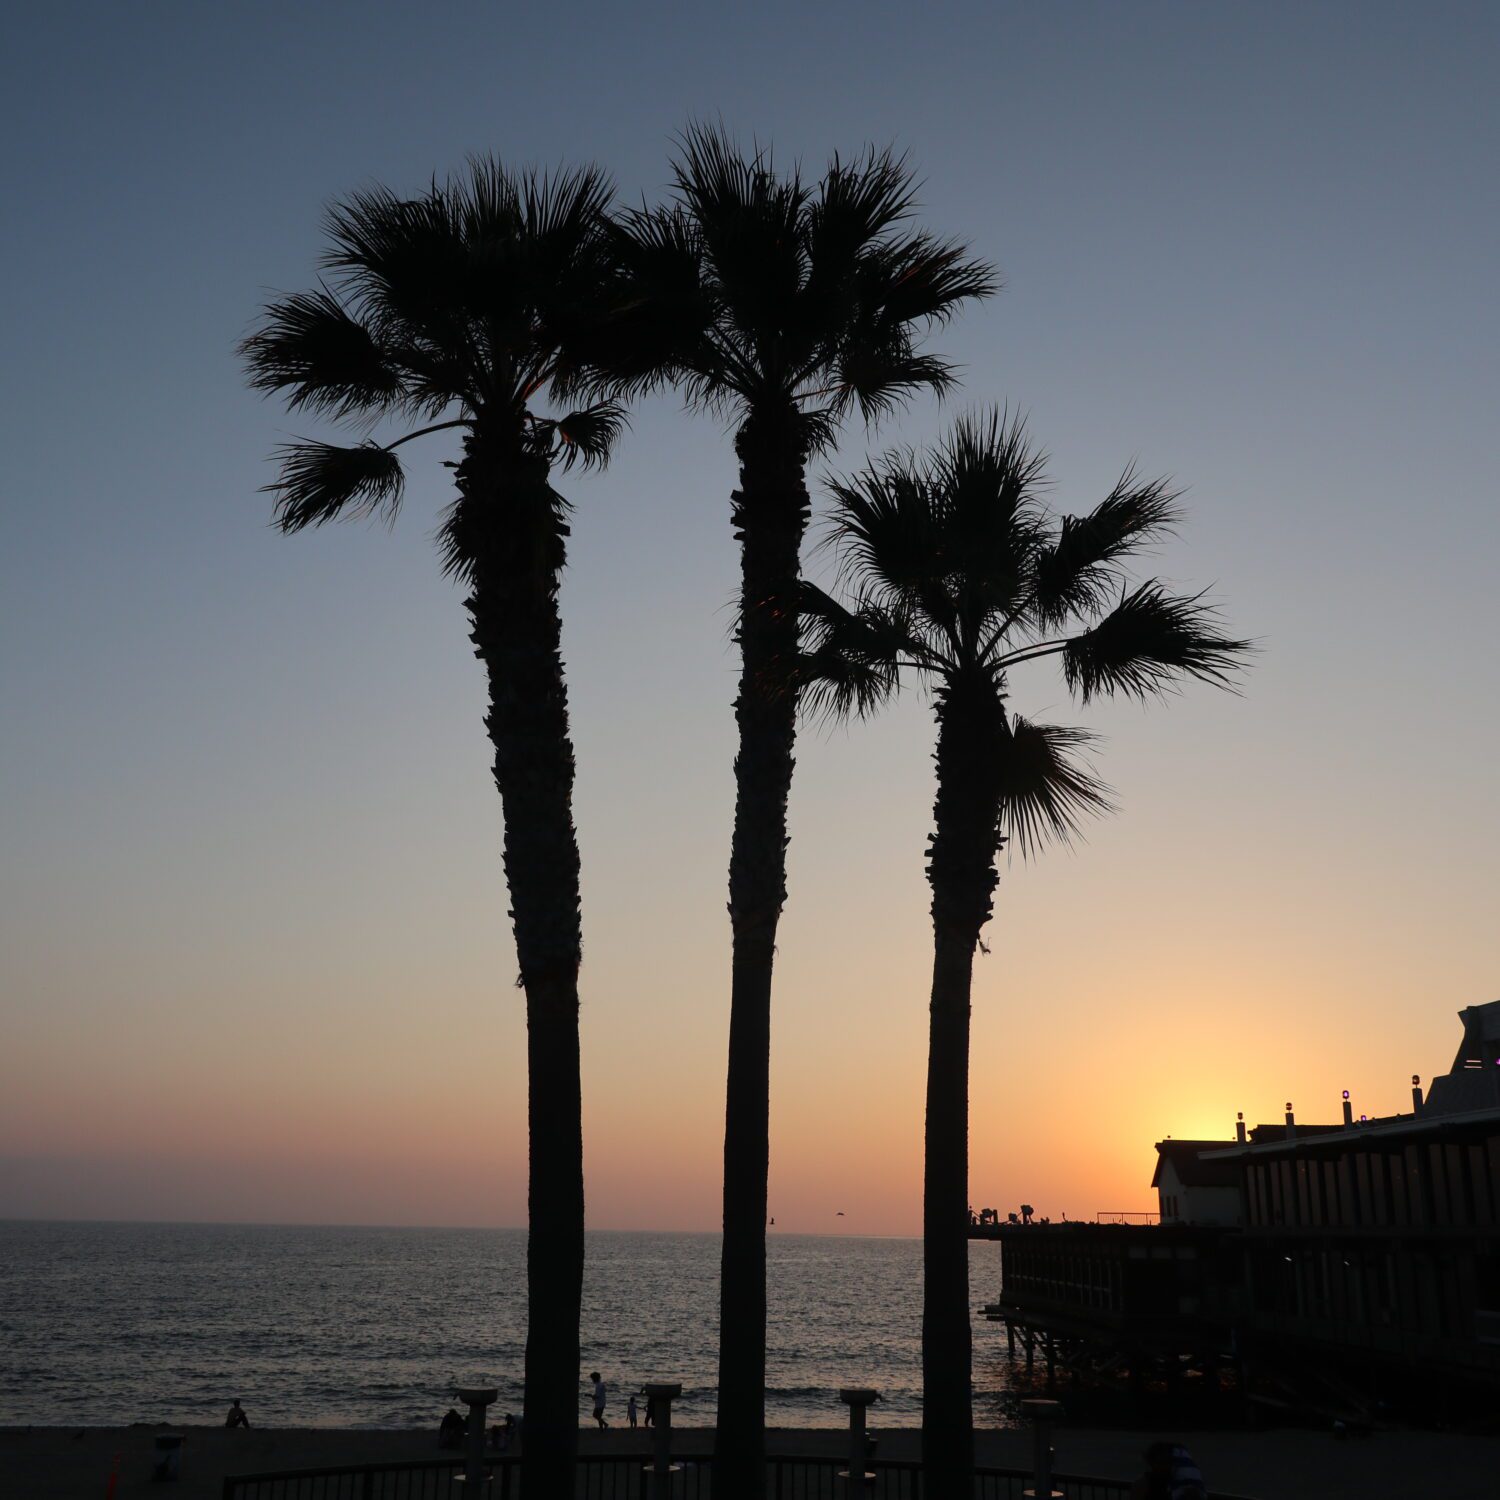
770, 516
947, 1407
512, 523
961, 869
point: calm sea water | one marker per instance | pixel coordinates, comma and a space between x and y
104, 1324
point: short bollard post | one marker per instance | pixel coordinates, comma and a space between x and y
479, 1399
661, 1469
856, 1477
1042, 1414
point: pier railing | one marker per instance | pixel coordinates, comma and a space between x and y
624, 1477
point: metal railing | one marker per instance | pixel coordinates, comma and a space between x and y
622, 1476
418, 1479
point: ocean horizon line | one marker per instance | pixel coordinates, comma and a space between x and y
809, 1234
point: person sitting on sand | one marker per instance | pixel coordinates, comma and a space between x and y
451, 1430
236, 1417
1170, 1474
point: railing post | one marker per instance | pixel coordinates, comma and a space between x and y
478, 1398
661, 1469
856, 1477
1043, 1414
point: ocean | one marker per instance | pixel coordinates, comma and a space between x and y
107, 1324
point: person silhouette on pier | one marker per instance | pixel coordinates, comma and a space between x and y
236, 1417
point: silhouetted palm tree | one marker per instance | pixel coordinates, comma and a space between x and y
786, 306
459, 309
957, 574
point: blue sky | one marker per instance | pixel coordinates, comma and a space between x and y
250, 841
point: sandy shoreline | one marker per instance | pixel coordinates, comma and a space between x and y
48, 1463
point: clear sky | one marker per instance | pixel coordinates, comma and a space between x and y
255, 959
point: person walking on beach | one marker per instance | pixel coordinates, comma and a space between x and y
650, 1411
599, 1400
630, 1411
236, 1417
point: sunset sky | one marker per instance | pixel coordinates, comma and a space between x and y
254, 956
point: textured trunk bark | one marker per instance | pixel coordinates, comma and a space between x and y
770, 516
961, 869
512, 529
947, 1414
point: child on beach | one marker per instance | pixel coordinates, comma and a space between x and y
630, 1410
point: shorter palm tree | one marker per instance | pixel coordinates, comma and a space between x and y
956, 573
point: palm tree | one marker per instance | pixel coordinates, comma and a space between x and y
459, 309
956, 574
785, 306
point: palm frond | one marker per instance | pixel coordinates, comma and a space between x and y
1046, 790
921, 279
657, 326
851, 657
888, 534
313, 349
987, 476
713, 175
879, 375
1077, 573
403, 265
587, 436
1150, 640
749, 218
319, 481
858, 202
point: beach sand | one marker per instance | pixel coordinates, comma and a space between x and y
48, 1463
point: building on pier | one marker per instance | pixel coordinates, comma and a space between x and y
1364, 1254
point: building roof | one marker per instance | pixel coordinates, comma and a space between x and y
1260, 1134
1191, 1169
1395, 1127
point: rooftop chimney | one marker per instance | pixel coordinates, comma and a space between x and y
1291, 1124
1239, 1127
1416, 1094
1348, 1110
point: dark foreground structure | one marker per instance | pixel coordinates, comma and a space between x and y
1333, 1269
